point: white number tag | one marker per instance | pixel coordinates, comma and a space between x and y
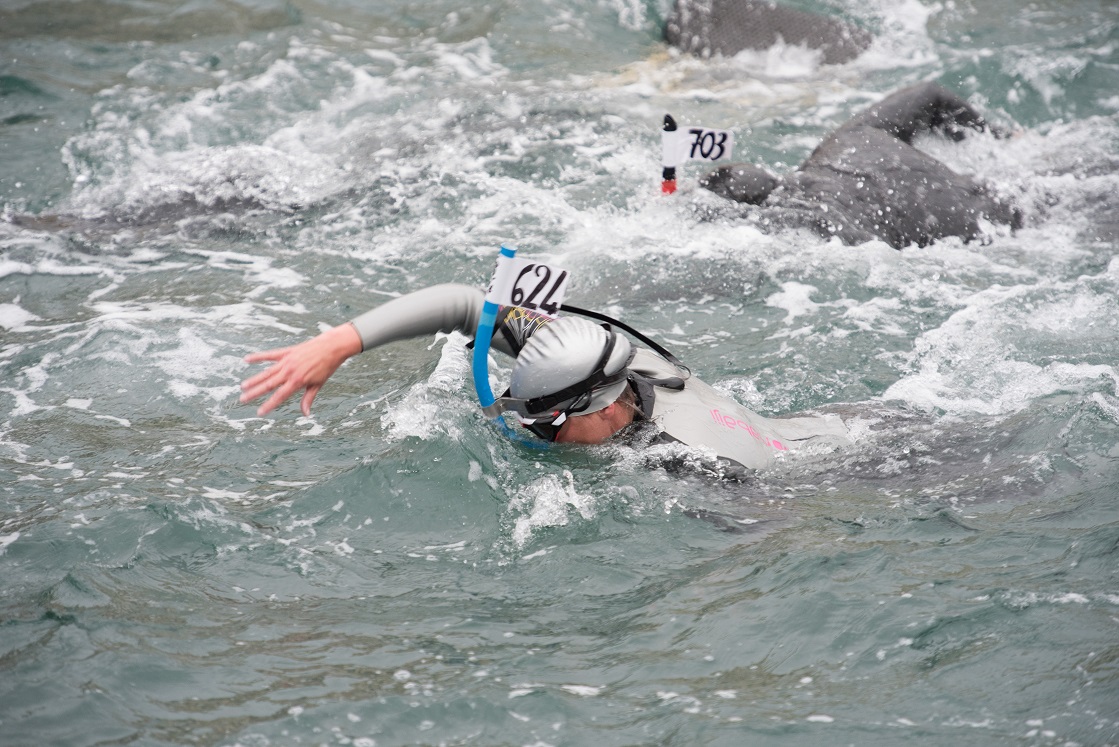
528, 284
696, 144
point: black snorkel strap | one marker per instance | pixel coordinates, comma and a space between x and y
623, 326
539, 408
598, 378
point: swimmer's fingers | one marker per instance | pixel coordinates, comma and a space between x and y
254, 382
308, 398
267, 355
265, 381
278, 397
261, 384
304, 366
251, 387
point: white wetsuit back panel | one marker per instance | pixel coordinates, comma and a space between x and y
699, 416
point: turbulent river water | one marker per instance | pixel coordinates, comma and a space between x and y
184, 183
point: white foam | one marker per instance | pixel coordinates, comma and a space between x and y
177, 153
257, 269
471, 61
48, 267
971, 363
586, 691
731, 91
547, 501
23, 403
781, 60
423, 412
14, 317
794, 299
878, 316
193, 359
902, 40
7, 539
520, 690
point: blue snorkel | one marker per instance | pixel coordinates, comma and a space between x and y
487, 320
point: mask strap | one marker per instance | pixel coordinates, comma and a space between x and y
656, 347
598, 378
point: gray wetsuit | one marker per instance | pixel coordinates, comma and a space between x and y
867, 181
679, 405
726, 27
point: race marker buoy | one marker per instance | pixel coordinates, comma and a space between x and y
668, 173
692, 144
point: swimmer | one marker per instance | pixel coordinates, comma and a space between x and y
867, 181
726, 27
573, 381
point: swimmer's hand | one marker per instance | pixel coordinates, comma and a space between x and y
304, 366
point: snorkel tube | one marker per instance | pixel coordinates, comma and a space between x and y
486, 321
480, 368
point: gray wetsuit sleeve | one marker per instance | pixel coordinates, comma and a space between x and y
440, 308
925, 107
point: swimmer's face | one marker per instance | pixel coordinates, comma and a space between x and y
593, 428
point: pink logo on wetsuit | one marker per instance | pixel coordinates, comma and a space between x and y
729, 421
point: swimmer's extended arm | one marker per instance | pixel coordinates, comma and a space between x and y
307, 366
444, 308
925, 107
440, 308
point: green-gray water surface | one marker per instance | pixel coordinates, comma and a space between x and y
184, 183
